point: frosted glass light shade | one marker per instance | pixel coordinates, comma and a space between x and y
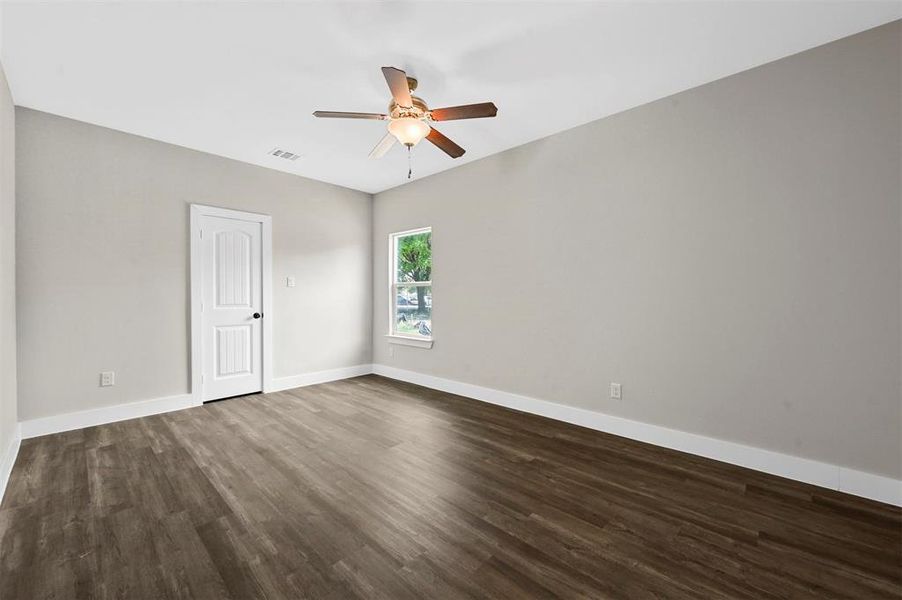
408, 130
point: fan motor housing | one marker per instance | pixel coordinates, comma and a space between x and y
418, 110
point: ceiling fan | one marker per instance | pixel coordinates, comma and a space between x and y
410, 118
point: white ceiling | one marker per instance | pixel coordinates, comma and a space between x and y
240, 79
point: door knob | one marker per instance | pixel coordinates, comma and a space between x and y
257, 315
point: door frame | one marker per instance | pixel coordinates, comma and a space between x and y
196, 278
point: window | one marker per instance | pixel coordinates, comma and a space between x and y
411, 287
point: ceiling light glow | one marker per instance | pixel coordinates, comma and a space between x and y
409, 130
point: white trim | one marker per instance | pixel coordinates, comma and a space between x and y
869, 485
105, 414
197, 211
144, 408
426, 229
296, 381
9, 459
404, 340
843, 479
268, 314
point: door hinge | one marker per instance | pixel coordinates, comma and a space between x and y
201, 307
201, 234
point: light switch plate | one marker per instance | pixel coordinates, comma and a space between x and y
289, 282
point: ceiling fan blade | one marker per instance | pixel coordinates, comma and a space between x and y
383, 146
445, 144
329, 114
397, 83
468, 111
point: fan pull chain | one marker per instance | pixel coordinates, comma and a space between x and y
409, 167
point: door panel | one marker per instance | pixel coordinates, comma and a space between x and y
233, 269
232, 294
233, 350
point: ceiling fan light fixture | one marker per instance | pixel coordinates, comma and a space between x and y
409, 130
410, 118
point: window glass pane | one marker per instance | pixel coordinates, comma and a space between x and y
413, 311
414, 257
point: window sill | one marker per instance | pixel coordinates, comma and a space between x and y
403, 340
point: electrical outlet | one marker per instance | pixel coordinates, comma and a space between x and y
289, 282
615, 391
107, 378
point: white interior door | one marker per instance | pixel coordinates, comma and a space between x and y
231, 307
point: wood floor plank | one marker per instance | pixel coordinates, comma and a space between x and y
372, 488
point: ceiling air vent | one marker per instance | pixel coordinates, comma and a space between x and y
284, 154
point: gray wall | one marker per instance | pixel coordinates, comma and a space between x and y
7, 267
730, 255
103, 263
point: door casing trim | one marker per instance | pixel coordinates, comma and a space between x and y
196, 368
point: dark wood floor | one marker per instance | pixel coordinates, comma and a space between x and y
371, 488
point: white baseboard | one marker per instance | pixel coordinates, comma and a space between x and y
9, 459
106, 414
844, 479
868, 485
133, 410
851, 481
296, 381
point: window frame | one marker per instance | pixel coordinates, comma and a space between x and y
394, 285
